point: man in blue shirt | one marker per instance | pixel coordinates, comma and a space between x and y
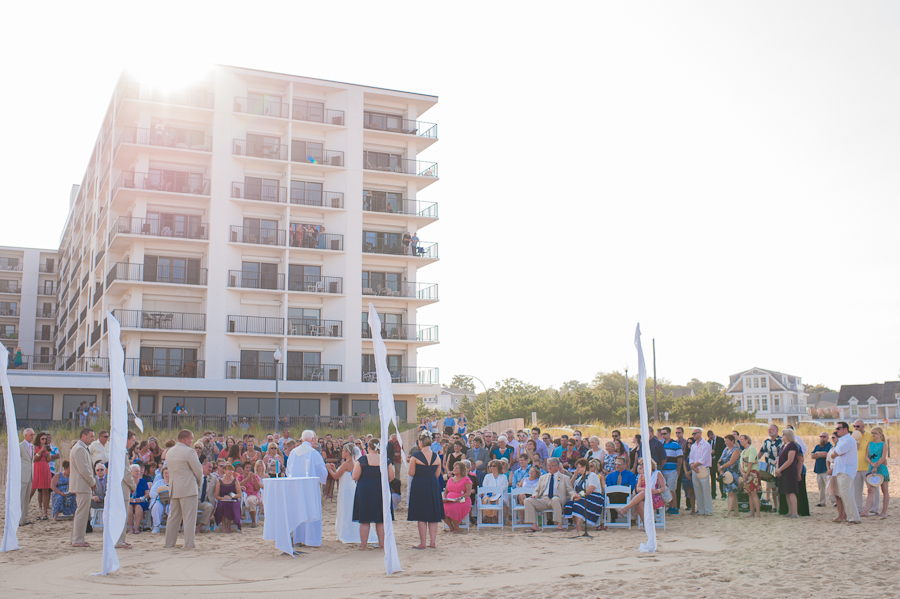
539, 444
674, 459
620, 476
449, 423
820, 453
558, 451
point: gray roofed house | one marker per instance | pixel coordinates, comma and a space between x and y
875, 401
771, 394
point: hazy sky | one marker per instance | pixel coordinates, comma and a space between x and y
724, 174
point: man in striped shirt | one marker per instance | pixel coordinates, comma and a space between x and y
670, 470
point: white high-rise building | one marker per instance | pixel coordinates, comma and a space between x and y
250, 215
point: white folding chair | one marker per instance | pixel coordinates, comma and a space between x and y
464, 523
517, 508
659, 518
483, 505
544, 517
608, 505
97, 518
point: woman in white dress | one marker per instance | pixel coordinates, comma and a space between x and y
347, 530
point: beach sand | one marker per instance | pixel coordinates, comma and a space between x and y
697, 557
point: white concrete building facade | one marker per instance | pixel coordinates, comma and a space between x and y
28, 286
771, 394
250, 215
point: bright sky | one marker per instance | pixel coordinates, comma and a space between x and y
726, 174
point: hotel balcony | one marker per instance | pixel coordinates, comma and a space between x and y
10, 266
392, 167
174, 144
47, 268
179, 229
424, 249
241, 190
252, 149
394, 129
194, 101
316, 372
415, 333
169, 184
187, 369
258, 235
10, 312
320, 157
161, 274
319, 199
71, 363
320, 241
305, 327
309, 113
46, 314
407, 374
254, 370
161, 320
5, 333
10, 287
255, 325
47, 289
42, 335
260, 107
311, 284
240, 279
426, 292
422, 212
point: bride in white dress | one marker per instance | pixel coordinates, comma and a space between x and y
347, 530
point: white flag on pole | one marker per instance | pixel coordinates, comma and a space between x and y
119, 404
13, 463
649, 520
388, 414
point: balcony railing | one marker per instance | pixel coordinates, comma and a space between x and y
10, 287
315, 114
47, 268
168, 181
381, 122
63, 363
95, 334
262, 193
183, 139
187, 369
408, 289
328, 199
255, 325
47, 289
12, 312
258, 235
161, 320
311, 284
258, 149
5, 333
407, 374
197, 98
424, 249
326, 157
41, 313
408, 207
254, 280
404, 332
254, 371
44, 335
316, 372
180, 275
10, 266
315, 328
159, 228
262, 107
320, 241
391, 164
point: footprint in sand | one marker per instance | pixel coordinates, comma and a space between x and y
572, 576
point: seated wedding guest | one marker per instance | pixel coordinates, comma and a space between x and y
98, 495
502, 450
586, 504
609, 458
206, 502
140, 500
63, 500
456, 455
529, 482
159, 505
478, 455
521, 471
252, 454
395, 495
749, 468
367, 503
553, 490
252, 484
571, 455
559, 446
457, 497
595, 452
657, 488
229, 443
494, 479
536, 461
635, 451
622, 450
618, 477
228, 495
274, 461
234, 455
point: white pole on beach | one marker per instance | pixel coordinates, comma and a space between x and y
13, 463
647, 516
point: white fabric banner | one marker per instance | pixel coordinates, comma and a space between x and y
14, 461
388, 414
647, 517
119, 404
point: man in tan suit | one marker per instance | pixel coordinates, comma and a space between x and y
81, 482
185, 475
128, 487
26, 450
552, 491
207, 499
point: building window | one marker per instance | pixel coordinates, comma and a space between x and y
381, 283
33, 407
71, 403
306, 192
764, 403
762, 382
776, 400
195, 405
304, 278
304, 365
873, 408
854, 410
307, 151
382, 201
168, 361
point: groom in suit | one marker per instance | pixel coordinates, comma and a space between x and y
26, 453
185, 474
553, 490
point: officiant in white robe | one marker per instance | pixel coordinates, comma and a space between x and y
305, 460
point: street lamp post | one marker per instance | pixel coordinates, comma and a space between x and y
487, 419
277, 357
627, 400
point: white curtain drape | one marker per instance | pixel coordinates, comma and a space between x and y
649, 526
14, 461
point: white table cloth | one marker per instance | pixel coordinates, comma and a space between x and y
289, 502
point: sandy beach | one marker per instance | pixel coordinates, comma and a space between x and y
697, 557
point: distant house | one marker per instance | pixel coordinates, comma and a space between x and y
771, 394
447, 400
823, 405
874, 402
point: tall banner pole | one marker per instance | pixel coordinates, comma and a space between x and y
13, 463
387, 414
647, 517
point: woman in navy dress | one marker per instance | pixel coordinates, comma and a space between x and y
367, 503
426, 506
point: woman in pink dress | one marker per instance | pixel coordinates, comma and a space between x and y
458, 487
